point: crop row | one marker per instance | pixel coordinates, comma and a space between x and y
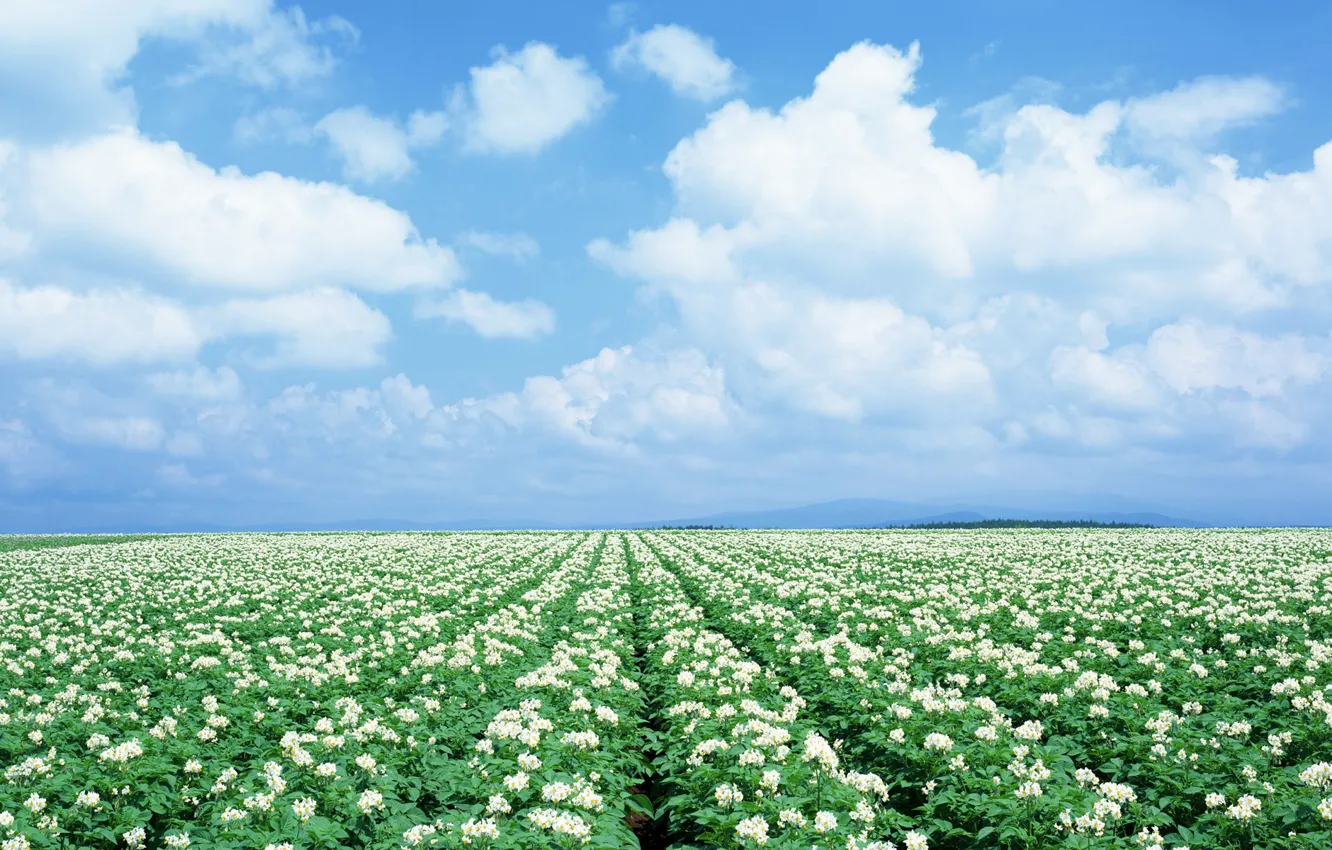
952, 678
827, 690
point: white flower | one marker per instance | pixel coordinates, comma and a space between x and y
1317, 775
753, 829
727, 795
304, 809
1245, 808
791, 817
370, 800
1028, 789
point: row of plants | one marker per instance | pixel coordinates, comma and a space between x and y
559, 757
272, 692
1000, 733
740, 763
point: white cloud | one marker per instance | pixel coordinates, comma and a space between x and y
21, 455
678, 252
1192, 357
178, 475
101, 327
687, 61
836, 259
426, 128
325, 328
620, 14
1203, 107
200, 383
13, 242
847, 358
279, 48
1116, 382
526, 100
63, 65
375, 148
277, 123
405, 400
993, 115
353, 413
131, 197
519, 246
610, 400
525, 319
129, 433
1262, 426
184, 444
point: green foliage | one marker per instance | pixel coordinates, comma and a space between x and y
23, 542
1089, 689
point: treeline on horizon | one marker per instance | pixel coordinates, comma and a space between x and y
1026, 523
930, 526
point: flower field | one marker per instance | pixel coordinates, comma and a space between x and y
996, 689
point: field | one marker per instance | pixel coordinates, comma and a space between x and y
951, 689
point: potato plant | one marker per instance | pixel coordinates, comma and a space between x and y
943, 689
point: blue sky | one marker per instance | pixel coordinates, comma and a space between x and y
576, 262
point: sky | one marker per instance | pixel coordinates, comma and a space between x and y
578, 262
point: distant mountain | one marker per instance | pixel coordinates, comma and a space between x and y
842, 513
877, 513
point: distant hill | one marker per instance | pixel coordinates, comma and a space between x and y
878, 513
839, 514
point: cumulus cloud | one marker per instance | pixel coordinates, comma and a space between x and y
101, 327
63, 66
279, 48
374, 148
276, 123
405, 400
155, 203
179, 476
129, 433
518, 246
326, 328
524, 101
687, 61
838, 260
610, 400
525, 319
184, 444
1193, 357
200, 383
1200, 108
21, 454
1118, 382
